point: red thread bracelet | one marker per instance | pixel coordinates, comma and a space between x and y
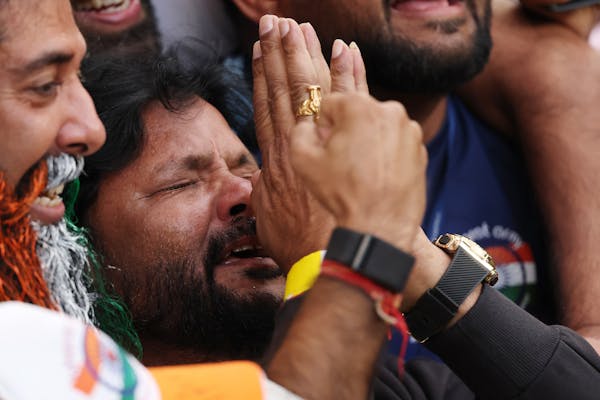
387, 304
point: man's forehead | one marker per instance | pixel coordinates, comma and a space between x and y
195, 117
27, 44
198, 126
20, 11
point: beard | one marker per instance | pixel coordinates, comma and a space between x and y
224, 326
20, 272
197, 313
63, 257
402, 65
142, 38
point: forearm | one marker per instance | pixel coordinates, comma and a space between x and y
550, 103
330, 349
562, 143
500, 351
570, 203
493, 340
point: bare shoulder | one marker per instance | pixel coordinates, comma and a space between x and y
536, 67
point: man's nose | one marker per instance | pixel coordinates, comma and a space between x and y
234, 198
83, 133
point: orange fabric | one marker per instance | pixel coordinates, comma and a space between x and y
85, 381
228, 380
20, 271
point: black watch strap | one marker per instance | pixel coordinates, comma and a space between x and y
371, 257
439, 305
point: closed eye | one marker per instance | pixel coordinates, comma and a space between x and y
174, 188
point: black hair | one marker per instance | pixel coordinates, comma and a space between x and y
121, 89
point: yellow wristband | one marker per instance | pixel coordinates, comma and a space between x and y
303, 274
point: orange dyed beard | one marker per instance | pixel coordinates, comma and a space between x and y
20, 271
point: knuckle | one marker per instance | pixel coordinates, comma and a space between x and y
340, 67
257, 66
416, 130
268, 46
300, 89
395, 108
278, 88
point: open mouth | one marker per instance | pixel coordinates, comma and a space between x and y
50, 197
244, 248
102, 5
246, 253
48, 208
108, 14
425, 6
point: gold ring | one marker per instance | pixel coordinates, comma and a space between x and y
312, 105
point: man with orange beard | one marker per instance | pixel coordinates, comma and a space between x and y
44, 111
109, 27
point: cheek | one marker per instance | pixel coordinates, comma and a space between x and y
21, 147
178, 222
173, 232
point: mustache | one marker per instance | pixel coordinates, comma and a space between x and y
241, 226
63, 168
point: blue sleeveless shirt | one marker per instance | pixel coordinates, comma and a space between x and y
477, 186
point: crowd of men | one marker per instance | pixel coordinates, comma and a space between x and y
268, 217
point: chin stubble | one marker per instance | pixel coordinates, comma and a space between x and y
401, 64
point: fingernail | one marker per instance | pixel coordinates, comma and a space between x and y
338, 46
265, 25
354, 46
284, 26
256, 51
307, 29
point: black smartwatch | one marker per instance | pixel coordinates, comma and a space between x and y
371, 257
470, 266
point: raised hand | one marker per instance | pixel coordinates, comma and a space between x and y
286, 61
365, 161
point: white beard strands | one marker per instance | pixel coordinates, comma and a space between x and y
64, 260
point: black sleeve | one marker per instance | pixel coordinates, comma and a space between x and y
499, 350
424, 379
502, 352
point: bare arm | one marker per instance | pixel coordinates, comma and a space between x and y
336, 336
332, 345
543, 84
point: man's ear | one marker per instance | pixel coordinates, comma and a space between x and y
254, 9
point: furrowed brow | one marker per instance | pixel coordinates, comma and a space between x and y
189, 163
